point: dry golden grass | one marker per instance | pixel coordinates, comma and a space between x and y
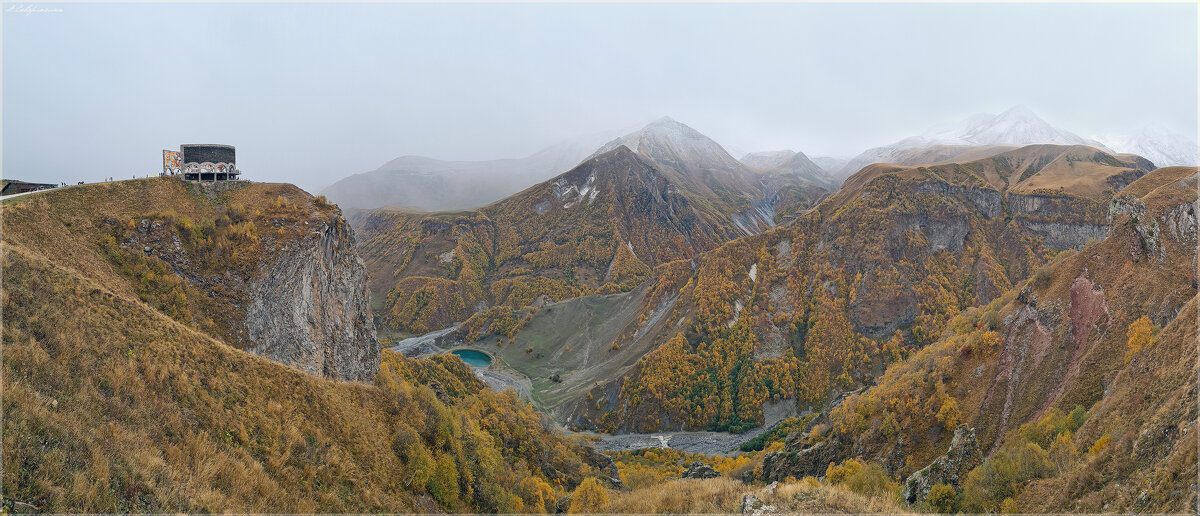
1077, 170
227, 233
111, 406
724, 495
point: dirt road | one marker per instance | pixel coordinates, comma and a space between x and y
708, 443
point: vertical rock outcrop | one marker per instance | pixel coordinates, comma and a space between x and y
950, 468
309, 308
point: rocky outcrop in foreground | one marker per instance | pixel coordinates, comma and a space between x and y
700, 470
811, 461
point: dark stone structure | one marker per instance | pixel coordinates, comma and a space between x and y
208, 162
15, 187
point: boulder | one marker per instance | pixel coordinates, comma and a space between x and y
605, 465
700, 470
755, 507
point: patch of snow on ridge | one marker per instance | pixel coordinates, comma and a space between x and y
573, 194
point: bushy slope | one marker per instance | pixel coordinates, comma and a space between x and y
112, 405
227, 233
1080, 386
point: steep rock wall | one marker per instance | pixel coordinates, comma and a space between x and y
310, 307
1062, 221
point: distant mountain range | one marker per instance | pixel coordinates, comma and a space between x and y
429, 184
997, 325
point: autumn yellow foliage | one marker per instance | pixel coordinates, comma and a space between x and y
1141, 335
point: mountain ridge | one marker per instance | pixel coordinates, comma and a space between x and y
1017, 125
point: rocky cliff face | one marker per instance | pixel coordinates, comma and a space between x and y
273, 272
311, 308
1061, 221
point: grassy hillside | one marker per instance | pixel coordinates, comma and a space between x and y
113, 403
1075, 170
190, 251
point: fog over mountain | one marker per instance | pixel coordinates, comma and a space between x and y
1156, 143
790, 162
431, 184
461, 82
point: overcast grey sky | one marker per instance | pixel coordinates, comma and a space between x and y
310, 93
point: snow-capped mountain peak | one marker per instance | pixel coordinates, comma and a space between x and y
670, 142
1019, 126
1160, 145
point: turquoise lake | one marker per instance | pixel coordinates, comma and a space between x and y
473, 358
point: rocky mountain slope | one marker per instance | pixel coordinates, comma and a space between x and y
703, 169
597, 229
1076, 392
1018, 126
1058, 193
146, 328
430, 184
817, 305
878, 267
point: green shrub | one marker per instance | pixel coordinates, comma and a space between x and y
942, 499
840, 473
443, 485
870, 480
1041, 278
589, 497
999, 477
